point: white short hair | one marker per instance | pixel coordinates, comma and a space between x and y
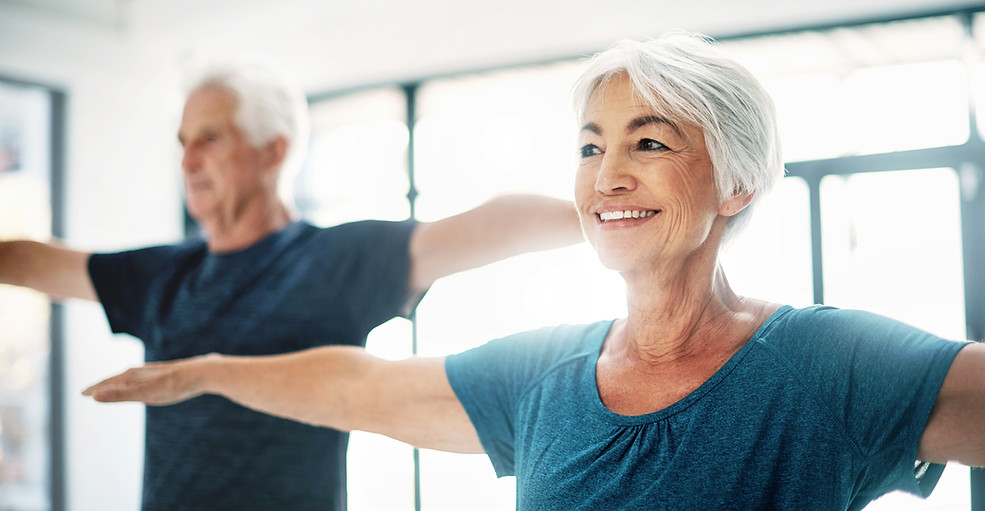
268, 105
687, 77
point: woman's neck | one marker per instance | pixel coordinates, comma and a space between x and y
684, 309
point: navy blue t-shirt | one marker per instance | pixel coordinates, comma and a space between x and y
298, 288
821, 410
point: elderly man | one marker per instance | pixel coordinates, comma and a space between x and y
262, 282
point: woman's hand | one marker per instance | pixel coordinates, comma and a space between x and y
157, 383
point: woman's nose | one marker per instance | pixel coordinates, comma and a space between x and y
614, 175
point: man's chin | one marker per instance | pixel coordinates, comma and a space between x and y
196, 209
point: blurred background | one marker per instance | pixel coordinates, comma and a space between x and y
428, 108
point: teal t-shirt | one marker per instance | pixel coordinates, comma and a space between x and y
822, 409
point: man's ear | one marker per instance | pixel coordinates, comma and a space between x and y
275, 152
736, 203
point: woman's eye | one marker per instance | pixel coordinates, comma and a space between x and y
589, 150
648, 144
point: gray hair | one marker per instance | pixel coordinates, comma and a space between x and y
685, 76
268, 106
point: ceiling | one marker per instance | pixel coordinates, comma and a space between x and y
342, 43
729, 15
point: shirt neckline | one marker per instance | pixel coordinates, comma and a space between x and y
685, 402
261, 245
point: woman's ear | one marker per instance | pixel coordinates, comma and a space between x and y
736, 203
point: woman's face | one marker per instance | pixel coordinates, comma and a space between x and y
645, 192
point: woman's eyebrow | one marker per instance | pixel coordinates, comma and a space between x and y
635, 124
644, 120
594, 128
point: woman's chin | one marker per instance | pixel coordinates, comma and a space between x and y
616, 260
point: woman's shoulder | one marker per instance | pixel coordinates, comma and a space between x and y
819, 319
819, 333
541, 347
565, 337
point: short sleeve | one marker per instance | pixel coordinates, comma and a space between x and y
491, 380
122, 281
486, 382
880, 378
374, 257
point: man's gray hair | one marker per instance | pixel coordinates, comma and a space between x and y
268, 105
686, 77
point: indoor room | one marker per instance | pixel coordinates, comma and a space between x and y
424, 110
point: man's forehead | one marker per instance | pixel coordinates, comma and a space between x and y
206, 113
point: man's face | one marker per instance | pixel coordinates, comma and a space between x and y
223, 173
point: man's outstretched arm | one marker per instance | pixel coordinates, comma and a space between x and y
500, 228
56, 271
342, 387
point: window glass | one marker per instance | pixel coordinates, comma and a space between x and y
357, 159
906, 106
481, 135
864, 90
771, 258
25, 212
978, 53
376, 461
805, 106
892, 245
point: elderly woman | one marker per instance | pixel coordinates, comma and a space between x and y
699, 398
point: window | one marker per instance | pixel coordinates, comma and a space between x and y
356, 166
777, 242
862, 220
864, 90
25, 348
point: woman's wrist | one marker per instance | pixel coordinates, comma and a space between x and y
206, 373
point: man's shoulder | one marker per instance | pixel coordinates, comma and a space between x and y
155, 252
352, 235
368, 226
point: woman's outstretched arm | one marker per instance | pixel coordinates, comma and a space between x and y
342, 387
